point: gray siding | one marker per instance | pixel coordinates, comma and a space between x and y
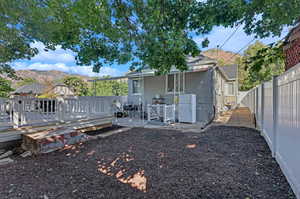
199, 83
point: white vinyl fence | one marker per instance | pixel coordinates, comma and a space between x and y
25, 111
276, 105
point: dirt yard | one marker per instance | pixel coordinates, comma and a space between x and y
223, 162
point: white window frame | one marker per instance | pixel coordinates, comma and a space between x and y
140, 81
227, 88
175, 83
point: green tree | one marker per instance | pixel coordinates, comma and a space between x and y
151, 33
109, 88
260, 17
260, 63
26, 81
79, 86
119, 88
5, 87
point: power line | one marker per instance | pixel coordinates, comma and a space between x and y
240, 50
230, 36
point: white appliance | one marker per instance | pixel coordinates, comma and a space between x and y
187, 108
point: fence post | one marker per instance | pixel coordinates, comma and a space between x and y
15, 113
275, 114
61, 108
262, 106
256, 105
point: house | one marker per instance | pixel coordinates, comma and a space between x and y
203, 78
34, 90
230, 87
61, 90
292, 48
37, 89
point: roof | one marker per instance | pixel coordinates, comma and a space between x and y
294, 34
198, 63
293, 31
230, 71
34, 88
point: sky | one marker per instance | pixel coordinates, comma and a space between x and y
64, 60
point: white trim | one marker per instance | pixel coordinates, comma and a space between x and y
226, 86
175, 84
136, 79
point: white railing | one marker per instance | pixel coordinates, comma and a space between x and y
25, 111
5, 112
276, 105
161, 111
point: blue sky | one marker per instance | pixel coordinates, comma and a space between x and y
64, 60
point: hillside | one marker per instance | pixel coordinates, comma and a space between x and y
45, 76
223, 57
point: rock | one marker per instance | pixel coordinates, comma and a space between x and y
6, 154
2, 151
26, 154
45, 196
50, 169
6, 161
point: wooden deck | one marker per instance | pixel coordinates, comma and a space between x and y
81, 125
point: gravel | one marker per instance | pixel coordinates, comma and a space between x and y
222, 162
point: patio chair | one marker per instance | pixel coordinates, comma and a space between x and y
134, 110
118, 109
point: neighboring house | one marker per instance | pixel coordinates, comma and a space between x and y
292, 48
203, 78
230, 87
34, 90
61, 90
37, 89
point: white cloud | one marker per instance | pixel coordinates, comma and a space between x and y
79, 70
53, 56
240, 39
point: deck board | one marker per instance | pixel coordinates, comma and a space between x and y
16, 134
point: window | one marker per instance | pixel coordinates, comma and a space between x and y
136, 86
230, 89
170, 83
175, 82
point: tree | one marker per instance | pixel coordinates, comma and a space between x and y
155, 33
26, 81
260, 63
109, 88
15, 42
5, 87
79, 86
260, 17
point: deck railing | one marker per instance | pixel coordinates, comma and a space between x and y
161, 111
276, 105
25, 111
5, 113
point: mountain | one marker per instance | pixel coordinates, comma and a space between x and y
45, 76
223, 57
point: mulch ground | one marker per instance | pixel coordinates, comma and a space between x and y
223, 162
